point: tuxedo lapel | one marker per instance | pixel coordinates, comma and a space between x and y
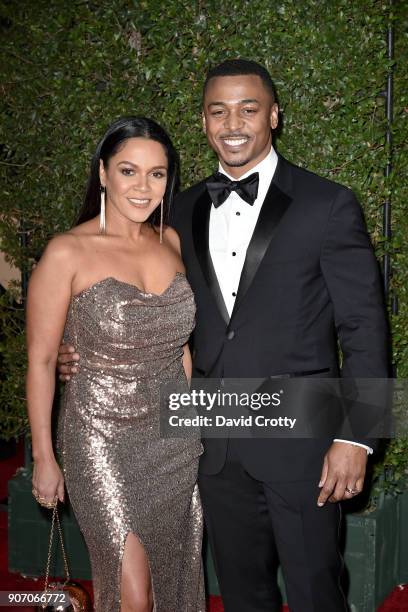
276, 203
201, 224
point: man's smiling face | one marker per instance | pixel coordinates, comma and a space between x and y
238, 115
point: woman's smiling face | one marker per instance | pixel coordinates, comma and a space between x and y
135, 179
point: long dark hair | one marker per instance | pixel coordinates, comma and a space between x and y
121, 130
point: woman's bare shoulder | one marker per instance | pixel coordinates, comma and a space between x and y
73, 240
58, 261
59, 258
172, 238
61, 244
88, 228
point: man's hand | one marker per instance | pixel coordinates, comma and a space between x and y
67, 362
343, 472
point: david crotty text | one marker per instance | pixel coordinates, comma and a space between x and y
222, 421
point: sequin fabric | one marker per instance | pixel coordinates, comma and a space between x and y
121, 476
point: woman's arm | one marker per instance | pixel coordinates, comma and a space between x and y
48, 298
187, 362
173, 239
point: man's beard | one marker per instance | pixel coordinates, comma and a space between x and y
236, 164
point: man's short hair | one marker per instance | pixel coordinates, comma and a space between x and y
241, 67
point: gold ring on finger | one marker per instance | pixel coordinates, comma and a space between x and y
47, 504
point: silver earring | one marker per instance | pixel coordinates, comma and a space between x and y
161, 221
102, 216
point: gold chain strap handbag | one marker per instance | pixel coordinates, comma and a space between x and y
80, 600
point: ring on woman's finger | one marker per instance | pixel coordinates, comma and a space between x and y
49, 505
35, 493
45, 503
37, 496
351, 491
42, 500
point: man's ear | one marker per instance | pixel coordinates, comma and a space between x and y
274, 116
102, 176
204, 124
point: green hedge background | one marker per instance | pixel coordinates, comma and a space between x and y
72, 67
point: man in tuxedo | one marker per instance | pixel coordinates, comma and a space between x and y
281, 267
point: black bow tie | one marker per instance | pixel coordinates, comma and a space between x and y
220, 186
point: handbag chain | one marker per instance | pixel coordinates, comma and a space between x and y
56, 519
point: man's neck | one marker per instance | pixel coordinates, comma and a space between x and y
236, 172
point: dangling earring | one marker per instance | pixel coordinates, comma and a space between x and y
102, 216
161, 221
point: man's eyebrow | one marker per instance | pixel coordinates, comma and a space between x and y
245, 101
249, 101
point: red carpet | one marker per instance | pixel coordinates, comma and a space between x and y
397, 601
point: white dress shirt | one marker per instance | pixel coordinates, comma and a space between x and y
231, 227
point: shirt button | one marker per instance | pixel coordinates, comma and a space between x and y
230, 334
233, 253
237, 213
234, 293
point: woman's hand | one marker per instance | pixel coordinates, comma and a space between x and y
48, 482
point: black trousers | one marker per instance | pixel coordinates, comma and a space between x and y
254, 526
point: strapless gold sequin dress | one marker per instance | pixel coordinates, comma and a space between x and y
120, 474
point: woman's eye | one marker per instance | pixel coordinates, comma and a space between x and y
127, 171
158, 174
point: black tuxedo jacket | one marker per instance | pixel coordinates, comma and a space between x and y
310, 277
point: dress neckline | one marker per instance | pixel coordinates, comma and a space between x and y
135, 287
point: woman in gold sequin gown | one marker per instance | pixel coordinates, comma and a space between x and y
114, 287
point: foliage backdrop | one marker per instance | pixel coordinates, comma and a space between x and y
72, 67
